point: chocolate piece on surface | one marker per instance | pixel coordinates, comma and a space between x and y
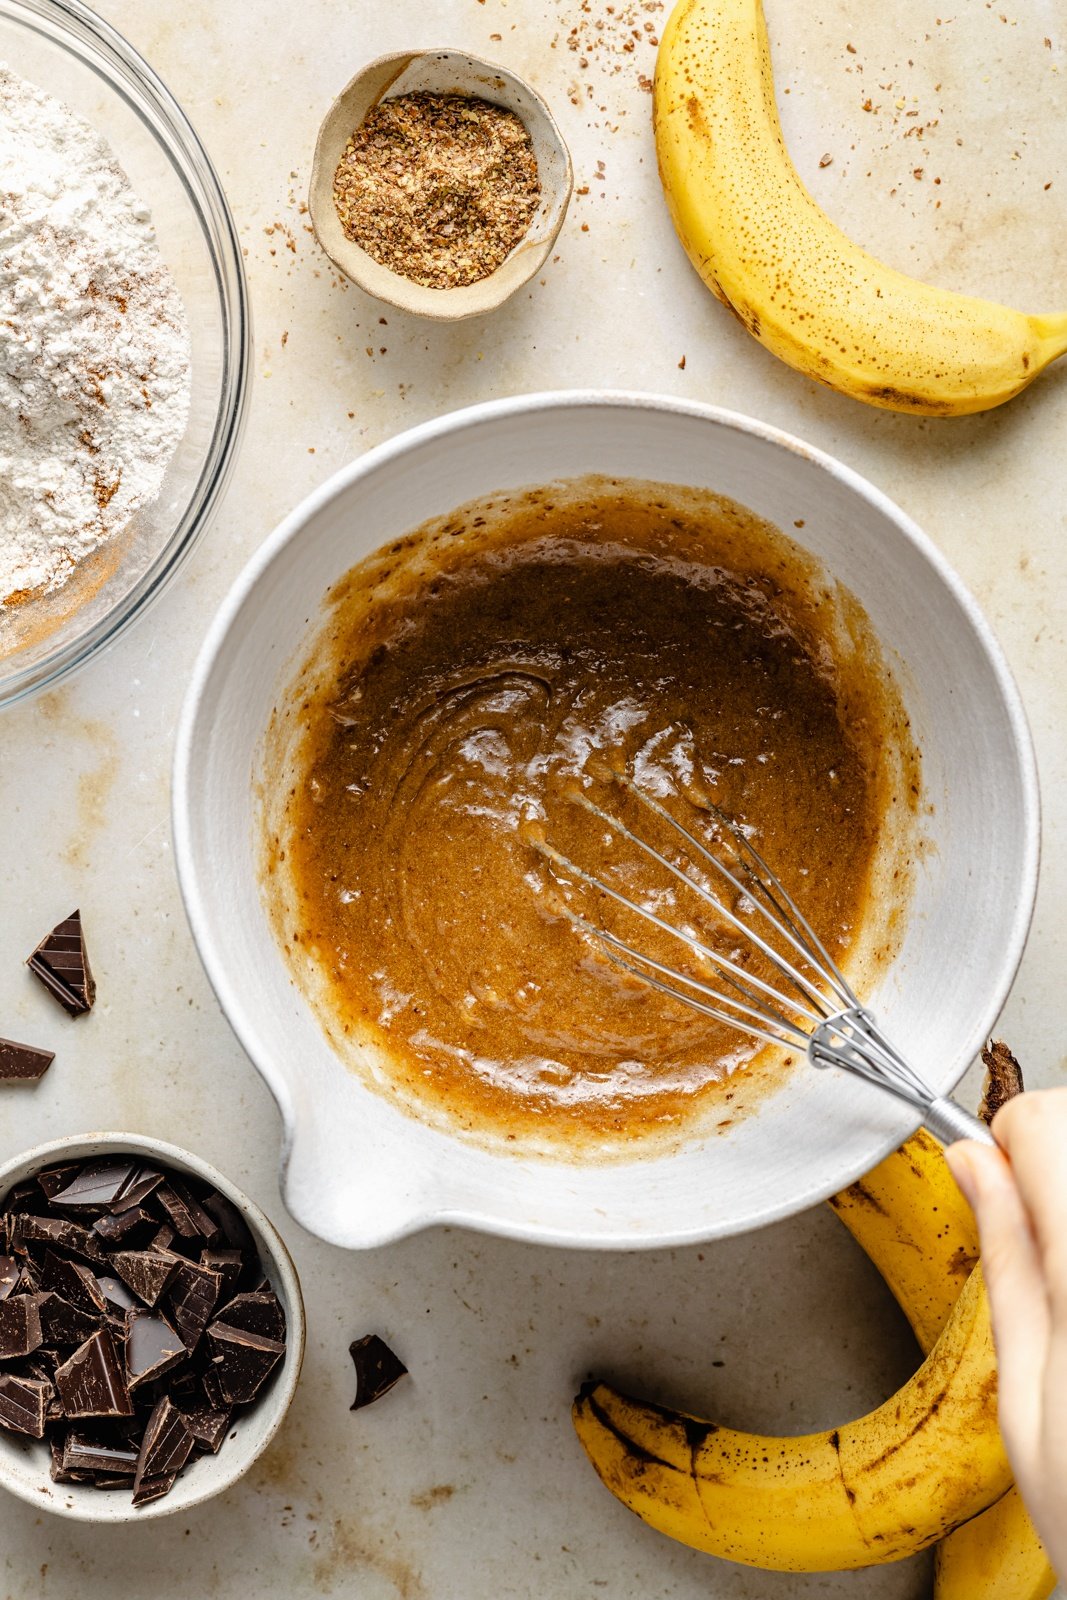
62, 1323
20, 1326
377, 1369
146, 1272
62, 964
242, 1361
118, 1296
190, 1298
22, 1404
162, 1239
92, 1383
152, 1347
166, 1444
130, 1229
10, 1272
255, 1313
208, 1427
23, 1063
94, 1186
72, 1281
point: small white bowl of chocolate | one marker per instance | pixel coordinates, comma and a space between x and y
151, 1329
439, 183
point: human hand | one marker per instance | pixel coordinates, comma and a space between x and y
1019, 1196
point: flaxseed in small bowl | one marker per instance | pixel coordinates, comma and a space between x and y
440, 182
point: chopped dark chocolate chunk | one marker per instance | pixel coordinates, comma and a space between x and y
229, 1264
208, 1427
82, 1454
62, 964
118, 1297
23, 1063
243, 1361
206, 1226
73, 1282
190, 1297
212, 1387
56, 1231
62, 1323
20, 1326
92, 1382
178, 1214
22, 1404
165, 1447
9, 1275
377, 1369
53, 1180
153, 1488
162, 1239
140, 1184
132, 1228
255, 1313
152, 1347
94, 1186
145, 1271
233, 1226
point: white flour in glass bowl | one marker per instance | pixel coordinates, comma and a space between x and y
94, 345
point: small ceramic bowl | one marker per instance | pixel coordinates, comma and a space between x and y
24, 1463
440, 72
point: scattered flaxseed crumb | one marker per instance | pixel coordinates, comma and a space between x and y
825, 160
681, 365
851, 48
438, 187
285, 338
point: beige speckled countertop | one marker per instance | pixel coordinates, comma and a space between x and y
467, 1483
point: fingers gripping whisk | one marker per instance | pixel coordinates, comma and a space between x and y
795, 995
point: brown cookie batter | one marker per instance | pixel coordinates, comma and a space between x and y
474, 677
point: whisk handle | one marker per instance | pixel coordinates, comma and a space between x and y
948, 1122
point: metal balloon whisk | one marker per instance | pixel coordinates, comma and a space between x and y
809, 1006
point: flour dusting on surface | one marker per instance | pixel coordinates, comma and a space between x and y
94, 345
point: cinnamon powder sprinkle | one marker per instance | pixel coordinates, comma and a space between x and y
438, 187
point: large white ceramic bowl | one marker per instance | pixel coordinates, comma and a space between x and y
358, 1170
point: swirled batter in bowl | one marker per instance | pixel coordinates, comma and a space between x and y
471, 677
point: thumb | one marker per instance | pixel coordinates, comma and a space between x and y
1015, 1280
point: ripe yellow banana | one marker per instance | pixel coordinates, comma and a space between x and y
872, 1491
760, 242
910, 1218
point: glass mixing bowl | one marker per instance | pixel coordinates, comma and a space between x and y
65, 49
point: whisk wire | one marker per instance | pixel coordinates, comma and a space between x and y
697, 946
827, 1021
787, 919
617, 949
790, 973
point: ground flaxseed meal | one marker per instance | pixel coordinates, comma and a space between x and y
438, 187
